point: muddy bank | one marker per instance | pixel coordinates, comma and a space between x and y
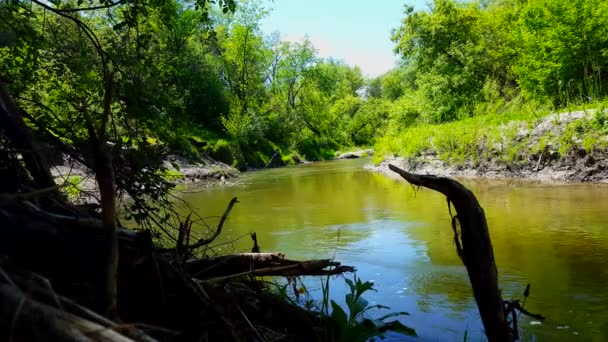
575, 171
79, 181
530, 163
355, 154
206, 169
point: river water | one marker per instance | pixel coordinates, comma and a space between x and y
554, 237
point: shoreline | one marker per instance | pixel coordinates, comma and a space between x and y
578, 171
82, 186
551, 149
202, 173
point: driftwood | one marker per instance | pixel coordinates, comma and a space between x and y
474, 247
260, 264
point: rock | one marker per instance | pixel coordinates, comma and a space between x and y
356, 154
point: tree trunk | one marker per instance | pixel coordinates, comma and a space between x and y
104, 174
475, 251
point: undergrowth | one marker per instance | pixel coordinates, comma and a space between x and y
350, 322
509, 137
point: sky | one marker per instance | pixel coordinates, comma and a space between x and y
355, 31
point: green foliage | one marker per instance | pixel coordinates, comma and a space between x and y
475, 58
443, 45
562, 48
222, 151
484, 64
238, 123
71, 187
316, 148
182, 146
172, 176
354, 325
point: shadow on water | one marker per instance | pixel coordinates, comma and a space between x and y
552, 236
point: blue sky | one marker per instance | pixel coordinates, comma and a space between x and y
356, 31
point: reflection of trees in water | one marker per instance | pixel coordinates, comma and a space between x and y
446, 287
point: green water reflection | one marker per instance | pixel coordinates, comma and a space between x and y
553, 236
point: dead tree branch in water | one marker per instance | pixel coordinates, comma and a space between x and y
220, 225
260, 264
475, 250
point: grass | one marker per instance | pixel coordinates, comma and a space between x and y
506, 137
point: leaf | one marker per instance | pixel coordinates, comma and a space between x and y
363, 287
351, 285
338, 315
393, 314
175, 165
119, 25
395, 326
377, 306
363, 331
356, 306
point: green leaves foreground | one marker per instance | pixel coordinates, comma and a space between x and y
354, 326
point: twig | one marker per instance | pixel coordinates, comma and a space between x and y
6, 198
526, 312
203, 242
7, 277
92, 8
540, 158
249, 322
16, 317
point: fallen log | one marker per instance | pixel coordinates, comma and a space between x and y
474, 247
260, 264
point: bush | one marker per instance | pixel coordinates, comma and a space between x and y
316, 149
181, 145
222, 151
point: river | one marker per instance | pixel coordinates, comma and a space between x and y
554, 237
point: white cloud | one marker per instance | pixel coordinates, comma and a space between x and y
372, 63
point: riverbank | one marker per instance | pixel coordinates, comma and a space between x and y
78, 181
564, 147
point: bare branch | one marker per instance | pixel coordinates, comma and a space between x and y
92, 8
201, 243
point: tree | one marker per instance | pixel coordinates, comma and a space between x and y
561, 48
443, 45
75, 88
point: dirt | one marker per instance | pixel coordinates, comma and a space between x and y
355, 154
204, 173
544, 166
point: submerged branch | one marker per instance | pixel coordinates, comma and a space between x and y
207, 241
475, 250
